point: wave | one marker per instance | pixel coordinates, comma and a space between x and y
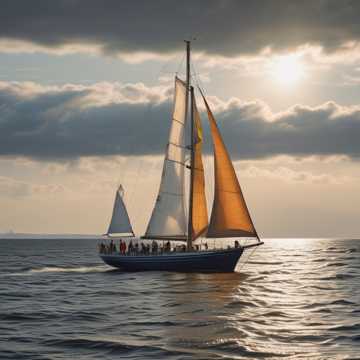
241, 303
19, 355
265, 262
46, 315
342, 302
336, 264
56, 269
328, 306
114, 347
232, 346
353, 327
18, 317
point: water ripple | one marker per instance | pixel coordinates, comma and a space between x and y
294, 299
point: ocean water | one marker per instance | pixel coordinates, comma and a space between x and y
293, 299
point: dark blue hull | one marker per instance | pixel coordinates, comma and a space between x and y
204, 261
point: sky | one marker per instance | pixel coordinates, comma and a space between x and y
86, 92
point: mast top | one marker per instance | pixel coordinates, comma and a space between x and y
188, 43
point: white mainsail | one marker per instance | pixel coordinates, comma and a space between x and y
168, 219
120, 222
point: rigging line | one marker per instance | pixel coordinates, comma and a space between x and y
177, 145
197, 79
227, 191
175, 161
132, 196
180, 64
178, 121
201, 88
170, 193
124, 170
198, 169
163, 69
199, 73
208, 163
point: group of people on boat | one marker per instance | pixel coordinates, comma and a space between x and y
134, 248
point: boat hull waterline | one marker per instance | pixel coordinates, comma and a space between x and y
202, 261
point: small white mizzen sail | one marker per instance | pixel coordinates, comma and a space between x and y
168, 219
120, 222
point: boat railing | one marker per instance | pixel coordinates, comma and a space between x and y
137, 253
108, 250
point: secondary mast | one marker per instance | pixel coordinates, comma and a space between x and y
189, 90
192, 154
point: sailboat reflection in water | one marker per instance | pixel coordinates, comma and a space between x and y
170, 222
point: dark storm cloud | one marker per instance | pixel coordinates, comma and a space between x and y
222, 26
67, 124
54, 126
302, 131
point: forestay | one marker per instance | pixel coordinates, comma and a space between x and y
168, 219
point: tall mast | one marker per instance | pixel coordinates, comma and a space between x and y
189, 89
190, 224
187, 79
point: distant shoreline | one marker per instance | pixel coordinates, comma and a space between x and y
27, 236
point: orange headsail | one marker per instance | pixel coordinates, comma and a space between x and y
199, 207
230, 216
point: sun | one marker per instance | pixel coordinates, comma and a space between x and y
287, 69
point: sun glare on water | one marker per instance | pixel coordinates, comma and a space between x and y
287, 69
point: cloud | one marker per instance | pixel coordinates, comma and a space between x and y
12, 187
71, 121
15, 188
226, 27
293, 176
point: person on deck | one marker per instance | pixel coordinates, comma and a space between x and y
130, 248
123, 248
167, 247
120, 246
154, 247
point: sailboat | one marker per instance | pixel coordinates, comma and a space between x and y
174, 219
